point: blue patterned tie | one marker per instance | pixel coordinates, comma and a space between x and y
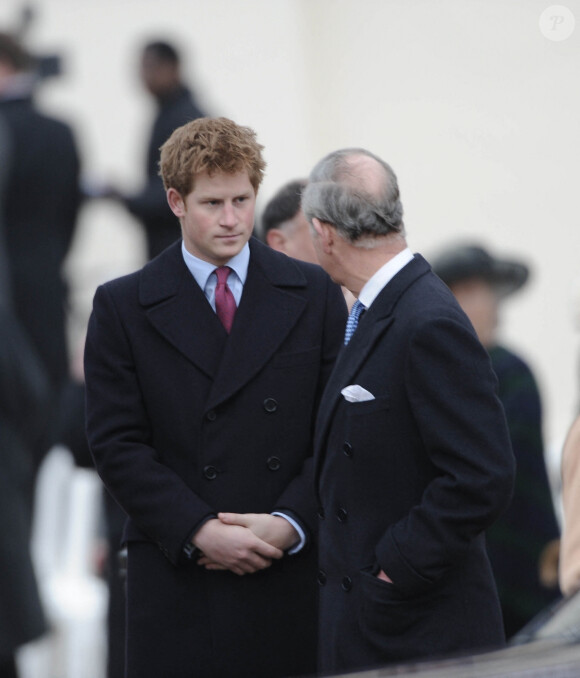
352, 322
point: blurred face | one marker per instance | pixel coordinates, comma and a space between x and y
217, 217
299, 241
480, 303
157, 75
294, 239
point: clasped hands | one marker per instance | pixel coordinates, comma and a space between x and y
243, 543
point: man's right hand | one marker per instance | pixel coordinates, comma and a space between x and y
232, 547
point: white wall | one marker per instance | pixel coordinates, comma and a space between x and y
476, 110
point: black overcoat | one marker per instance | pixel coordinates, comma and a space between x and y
40, 208
408, 481
184, 421
24, 398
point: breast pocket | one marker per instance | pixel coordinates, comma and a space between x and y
368, 406
367, 424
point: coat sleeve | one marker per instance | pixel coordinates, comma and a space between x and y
156, 499
451, 390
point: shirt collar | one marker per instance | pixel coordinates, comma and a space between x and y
201, 269
383, 276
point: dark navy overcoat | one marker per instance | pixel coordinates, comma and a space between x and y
407, 483
185, 421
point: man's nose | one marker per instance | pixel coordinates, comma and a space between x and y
228, 216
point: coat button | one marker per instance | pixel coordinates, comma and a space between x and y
321, 513
270, 405
210, 472
347, 449
211, 415
341, 515
346, 584
321, 577
273, 463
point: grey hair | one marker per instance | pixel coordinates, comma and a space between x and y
336, 195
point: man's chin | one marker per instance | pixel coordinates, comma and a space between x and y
229, 248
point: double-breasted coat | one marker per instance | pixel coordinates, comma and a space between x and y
185, 421
408, 481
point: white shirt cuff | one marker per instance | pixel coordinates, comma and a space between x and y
300, 545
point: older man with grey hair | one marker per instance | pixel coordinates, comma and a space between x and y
412, 453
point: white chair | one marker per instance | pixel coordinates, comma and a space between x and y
65, 532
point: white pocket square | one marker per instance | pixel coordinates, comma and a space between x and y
356, 394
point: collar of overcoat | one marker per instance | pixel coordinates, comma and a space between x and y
269, 309
372, 326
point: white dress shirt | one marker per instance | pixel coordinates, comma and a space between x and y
204, 274
383, 276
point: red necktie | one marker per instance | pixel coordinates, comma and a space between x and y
225, 304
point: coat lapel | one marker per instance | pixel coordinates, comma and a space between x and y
372, 326
178, 309
268, 312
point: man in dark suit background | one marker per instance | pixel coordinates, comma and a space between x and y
24, 400
412, 454
160, 71
39, 210
191, 414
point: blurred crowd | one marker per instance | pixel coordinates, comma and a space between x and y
41, 380
535, 559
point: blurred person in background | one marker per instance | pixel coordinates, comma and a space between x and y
71, 432
5, 295
39, 209
285, 228
570, 550
24, 402
24, 397
523, 543
161, 75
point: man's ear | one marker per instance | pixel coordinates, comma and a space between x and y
325, 233
276, 239
176, 202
